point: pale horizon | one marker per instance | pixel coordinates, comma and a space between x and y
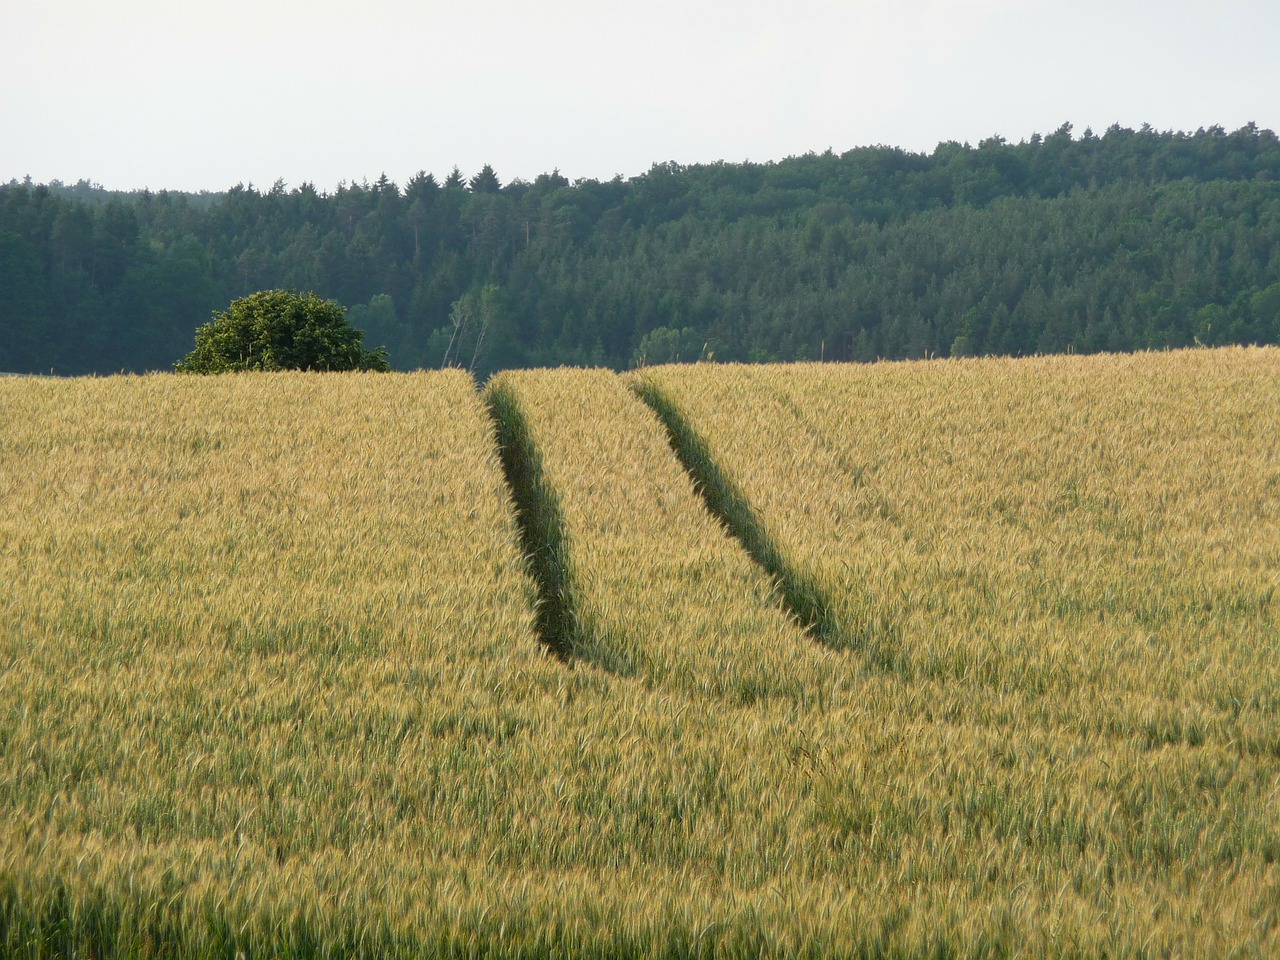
144, 94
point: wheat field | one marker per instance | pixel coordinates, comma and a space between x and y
287, 669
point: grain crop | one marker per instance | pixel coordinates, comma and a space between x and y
271, 679
1093, 539
979, 518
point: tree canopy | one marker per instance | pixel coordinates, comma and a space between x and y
280, 330
1131, 239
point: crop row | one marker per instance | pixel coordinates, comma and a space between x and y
650, 584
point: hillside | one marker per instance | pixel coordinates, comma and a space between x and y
961, 658
1061, 243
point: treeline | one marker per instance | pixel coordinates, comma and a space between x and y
1128, 240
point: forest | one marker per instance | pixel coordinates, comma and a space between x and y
1128, 240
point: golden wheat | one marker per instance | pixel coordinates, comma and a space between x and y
269, 681
979, 518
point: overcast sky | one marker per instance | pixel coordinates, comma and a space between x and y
185, 95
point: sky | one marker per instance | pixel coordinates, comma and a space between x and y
180, 95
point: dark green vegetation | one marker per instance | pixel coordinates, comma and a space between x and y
542, 534
280, 330
1129, 240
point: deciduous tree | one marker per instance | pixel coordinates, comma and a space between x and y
281, 330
